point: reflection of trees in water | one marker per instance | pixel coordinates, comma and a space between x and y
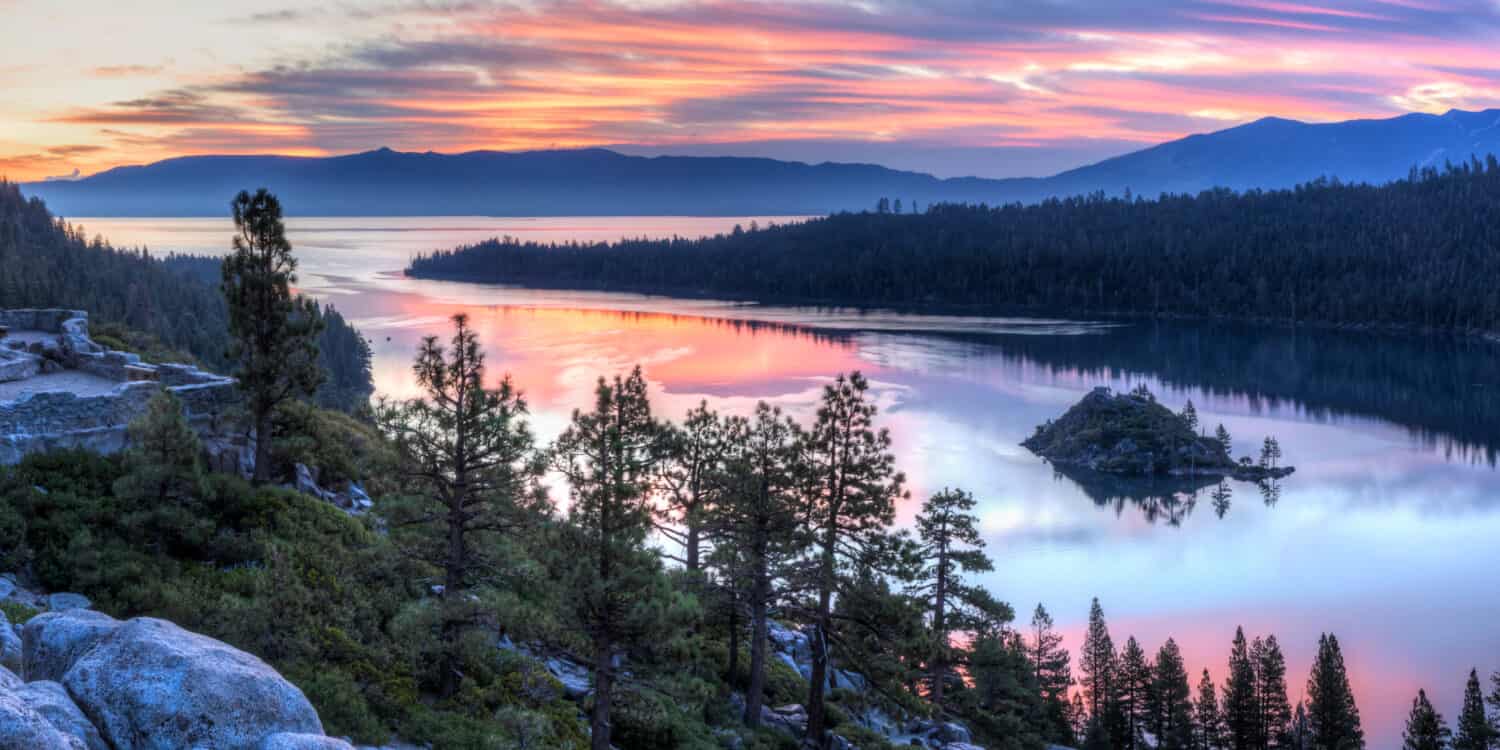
1444, 390
1169, 500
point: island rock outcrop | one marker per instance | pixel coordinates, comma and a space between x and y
1131, 434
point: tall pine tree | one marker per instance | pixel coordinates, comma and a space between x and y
469, 479
1270, 690
1171, 704
1475, 731
1241, 704
852, 486
758, 521
1208, 720
610, 456
1332, 717
273, 334
1054, 675
950, 546
1134, 695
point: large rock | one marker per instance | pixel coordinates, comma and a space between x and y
23, 728
290, 741
64, 601
151, 684
9, 681
53, 641
10, 645
51, 701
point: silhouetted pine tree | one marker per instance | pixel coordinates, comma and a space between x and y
1270, 689
1098, 665
1053, 673
1241, 704
1135, 683
1208, 720
1171, 705
1425, 728
1475, 731
1331, 714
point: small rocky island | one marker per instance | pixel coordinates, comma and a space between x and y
1131, 434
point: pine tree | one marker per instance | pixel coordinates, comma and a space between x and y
851, 492
1054, 675
1208, 720
758, 521
1494, 701
161, 491
1425, 728
1475, 732
1171, 700
949, 547
1241, 707
1270, 690
1332, 717
1134, 695
1222, 435
1078, 718
609, 456
689, 477
1097, 664
273, 334
470, 480
1300, 735
1190, 416
1270, 453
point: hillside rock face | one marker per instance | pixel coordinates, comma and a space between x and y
1130, 434
95, 683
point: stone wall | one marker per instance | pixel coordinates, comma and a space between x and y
61, 419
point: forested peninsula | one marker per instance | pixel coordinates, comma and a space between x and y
1418, 253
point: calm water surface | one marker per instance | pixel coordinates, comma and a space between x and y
1386, 535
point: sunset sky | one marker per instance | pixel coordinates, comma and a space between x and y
988, 87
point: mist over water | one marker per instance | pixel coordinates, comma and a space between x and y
1386, 534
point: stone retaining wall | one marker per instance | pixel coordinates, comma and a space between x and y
61, 419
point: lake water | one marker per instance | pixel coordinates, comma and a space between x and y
1386, 535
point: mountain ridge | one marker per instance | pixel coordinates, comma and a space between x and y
1270, 152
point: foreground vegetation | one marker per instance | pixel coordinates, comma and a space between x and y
1417, 253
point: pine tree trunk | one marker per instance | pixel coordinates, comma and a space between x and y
692, 543
819, 678
755, 694
940, 630
603, 687
262, 447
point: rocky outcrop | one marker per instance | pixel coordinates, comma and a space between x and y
95, 683
151, 684
1132, 435
54, 641
52, 701
21, 726
290, 741
10, 645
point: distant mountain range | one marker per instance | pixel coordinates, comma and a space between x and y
1267, 153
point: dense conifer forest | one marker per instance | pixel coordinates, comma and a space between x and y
162, 308
1417, 253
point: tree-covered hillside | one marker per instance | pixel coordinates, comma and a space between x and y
174, 300
1420, 253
